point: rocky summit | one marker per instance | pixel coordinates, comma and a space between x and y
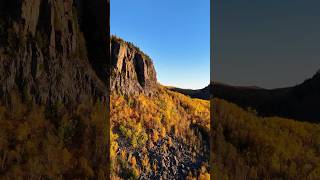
132, 70
53, 51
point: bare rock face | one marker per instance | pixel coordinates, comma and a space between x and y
132, 71
53, 50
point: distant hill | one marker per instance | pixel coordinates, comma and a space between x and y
198, 93
299, 102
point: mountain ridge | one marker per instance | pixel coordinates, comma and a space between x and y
298, 102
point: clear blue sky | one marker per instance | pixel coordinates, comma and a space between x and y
174, 33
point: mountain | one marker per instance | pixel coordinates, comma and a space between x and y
54, 81
155, 132
299, 102
250, 140
53, 51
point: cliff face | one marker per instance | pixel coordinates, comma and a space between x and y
132, 71
53, 50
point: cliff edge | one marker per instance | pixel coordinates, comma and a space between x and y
132, 70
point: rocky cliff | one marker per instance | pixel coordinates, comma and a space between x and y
53, 50
132, 71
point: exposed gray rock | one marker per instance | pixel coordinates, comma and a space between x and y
132, 71
45, 54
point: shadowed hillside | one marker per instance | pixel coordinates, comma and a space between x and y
199, 93
300, 102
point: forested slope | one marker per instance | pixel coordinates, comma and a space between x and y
248, 146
